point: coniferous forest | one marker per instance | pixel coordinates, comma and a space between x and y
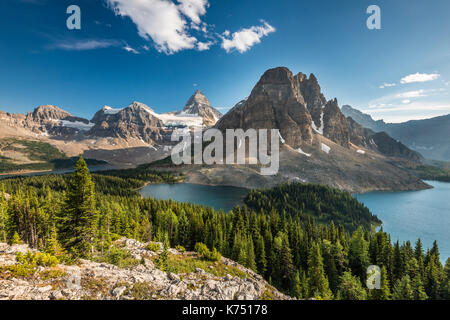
308, 241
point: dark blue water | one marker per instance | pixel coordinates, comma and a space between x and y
218, 197
413, 214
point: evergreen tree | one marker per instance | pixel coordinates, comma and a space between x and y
3, 215
418, 289
251, 264
163, 259
53, 246
350, 288
317, 282
403, 289
445, 286
297, 290
79, 214
261, 261
359, 254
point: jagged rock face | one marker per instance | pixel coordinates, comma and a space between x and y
136, 121
336, 127
44, 114
359, 135
311, 92
199, 105
275, 103
55, 121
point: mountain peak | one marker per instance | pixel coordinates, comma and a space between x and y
276, 76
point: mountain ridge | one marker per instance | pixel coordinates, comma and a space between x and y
428, 136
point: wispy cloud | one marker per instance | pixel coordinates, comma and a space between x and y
419, 77
412, 94
387, 85
244, 39
84, 44
130, 49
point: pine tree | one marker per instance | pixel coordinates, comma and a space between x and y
297, 290
15, 239
350, 288
3, 215
261, 262
163, 259
403, 289
433, 277
79, 213
359, 254
53, 246
445, 286
251, 264
418, 290
318, 286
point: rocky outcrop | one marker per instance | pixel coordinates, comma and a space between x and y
101, 281
199, 105
336, 127
314, 99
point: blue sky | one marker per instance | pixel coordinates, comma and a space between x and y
160, 51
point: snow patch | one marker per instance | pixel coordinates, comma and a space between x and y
326, 148
320, 129
299, 150
109, 110
361, 151
281, 138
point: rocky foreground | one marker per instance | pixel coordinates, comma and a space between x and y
87, 280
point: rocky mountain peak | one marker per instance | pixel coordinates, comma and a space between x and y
199, 105
48, 113
275, 103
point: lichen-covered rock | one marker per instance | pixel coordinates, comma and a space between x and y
92, 280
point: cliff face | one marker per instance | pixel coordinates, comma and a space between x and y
87, 280
275, 103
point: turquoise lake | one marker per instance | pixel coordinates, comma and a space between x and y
405, 215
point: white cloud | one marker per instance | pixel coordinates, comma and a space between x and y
387, 85
202, 46
160, 20
130, 49
85, 44
176, 25
244, 39
193, 9
406, 101
419, 77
